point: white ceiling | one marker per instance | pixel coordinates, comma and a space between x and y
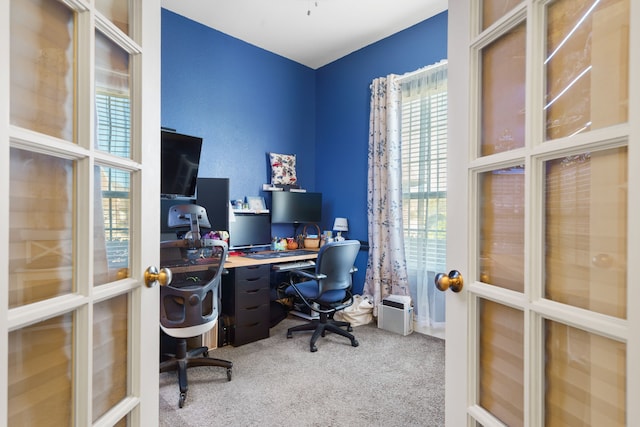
311, 32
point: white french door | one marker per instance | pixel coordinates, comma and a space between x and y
543, 202
78, 326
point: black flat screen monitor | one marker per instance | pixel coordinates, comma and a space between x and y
250, 231
288, 207
180, 159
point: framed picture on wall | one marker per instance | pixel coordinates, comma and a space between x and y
256, 203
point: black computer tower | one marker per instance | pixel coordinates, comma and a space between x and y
213, 195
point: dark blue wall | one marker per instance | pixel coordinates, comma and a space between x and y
342, 117
246, 102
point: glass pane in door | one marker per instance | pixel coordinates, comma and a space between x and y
503, 93
117, 11
113, 130
110, 349
41, 242
586, 231
585, 378
501, 205
42, 69
587, 65
113, 124
113, 225
501, 362
492, 10
40, 374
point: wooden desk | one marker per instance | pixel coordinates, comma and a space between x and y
246, 295
243, 261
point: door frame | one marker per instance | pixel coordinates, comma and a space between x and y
4, 210
147, 246
143, 395
456, 363
461, 364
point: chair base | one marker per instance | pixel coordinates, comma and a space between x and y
320, 327
184, 359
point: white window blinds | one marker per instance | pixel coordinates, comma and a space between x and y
424, 167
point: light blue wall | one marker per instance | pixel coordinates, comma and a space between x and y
246, 102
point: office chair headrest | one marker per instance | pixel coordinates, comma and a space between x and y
188, 215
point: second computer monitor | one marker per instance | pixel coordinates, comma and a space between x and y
250, 232
288, 207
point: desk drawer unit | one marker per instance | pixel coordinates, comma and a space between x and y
245, 298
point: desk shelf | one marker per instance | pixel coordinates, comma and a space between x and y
250, 211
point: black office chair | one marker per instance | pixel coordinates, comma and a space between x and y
189, 304
328, 290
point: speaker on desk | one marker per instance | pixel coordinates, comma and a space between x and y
213, 195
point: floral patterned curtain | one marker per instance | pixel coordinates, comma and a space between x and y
386, 268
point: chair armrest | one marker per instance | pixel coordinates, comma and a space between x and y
317, 276
308, 275
173, 244
185, 243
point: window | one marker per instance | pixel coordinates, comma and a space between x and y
424, 174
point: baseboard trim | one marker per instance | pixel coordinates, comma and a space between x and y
428, 330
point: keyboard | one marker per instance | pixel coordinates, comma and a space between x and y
279, 254
295, 265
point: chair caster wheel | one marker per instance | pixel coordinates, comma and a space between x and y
289, 335
355, 343
229, 374
349, 328
205, 354
183, 396
313, 349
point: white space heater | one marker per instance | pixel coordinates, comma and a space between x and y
395, 314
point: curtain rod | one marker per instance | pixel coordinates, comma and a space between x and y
421, 70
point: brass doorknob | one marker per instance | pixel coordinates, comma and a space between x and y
451, 281
152, 276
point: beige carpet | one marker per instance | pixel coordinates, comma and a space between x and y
389, 380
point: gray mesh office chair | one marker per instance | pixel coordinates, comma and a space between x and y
189, 304
327, 290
